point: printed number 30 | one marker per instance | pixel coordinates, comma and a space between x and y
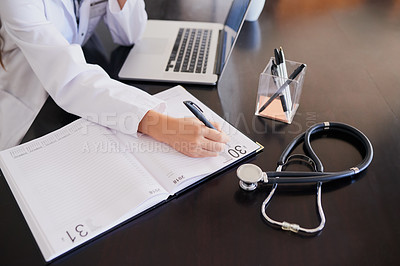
236, 151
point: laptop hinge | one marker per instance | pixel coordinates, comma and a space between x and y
218, 55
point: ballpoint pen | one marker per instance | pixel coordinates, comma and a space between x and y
286, 92
274, 72
195, 109
281, 73
283, 61
292, 76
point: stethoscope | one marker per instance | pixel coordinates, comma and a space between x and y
251, 175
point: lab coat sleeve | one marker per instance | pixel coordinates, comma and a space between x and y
79, 88
126, 25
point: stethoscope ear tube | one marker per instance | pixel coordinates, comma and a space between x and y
320, 176
326, 126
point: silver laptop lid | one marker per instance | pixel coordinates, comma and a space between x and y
233, 23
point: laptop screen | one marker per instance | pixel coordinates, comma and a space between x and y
233, 23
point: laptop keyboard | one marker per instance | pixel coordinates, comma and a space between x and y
190, 51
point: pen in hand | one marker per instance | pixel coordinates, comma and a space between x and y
292, 76
195, 109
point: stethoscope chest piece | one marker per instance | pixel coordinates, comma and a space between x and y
249, 175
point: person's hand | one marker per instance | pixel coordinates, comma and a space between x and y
186, 135
191, 137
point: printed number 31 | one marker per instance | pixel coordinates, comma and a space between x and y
78, 229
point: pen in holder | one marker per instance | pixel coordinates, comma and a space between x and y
278, 97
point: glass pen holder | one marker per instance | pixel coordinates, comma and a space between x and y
284, 106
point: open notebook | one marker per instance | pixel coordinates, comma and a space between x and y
83, 179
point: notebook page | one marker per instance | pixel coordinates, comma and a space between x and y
76, 196
170, 167
174, 170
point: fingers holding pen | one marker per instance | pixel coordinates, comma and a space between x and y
217, 134
214, 140
214, 132
203, 141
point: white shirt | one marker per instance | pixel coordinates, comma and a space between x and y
43, 56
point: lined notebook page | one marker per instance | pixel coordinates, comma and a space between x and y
89, 189
172, 168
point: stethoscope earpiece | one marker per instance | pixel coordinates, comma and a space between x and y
249, 175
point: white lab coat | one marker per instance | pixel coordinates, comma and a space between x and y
43, 56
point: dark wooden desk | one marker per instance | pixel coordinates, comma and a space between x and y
352, 49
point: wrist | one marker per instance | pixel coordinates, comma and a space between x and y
152, 124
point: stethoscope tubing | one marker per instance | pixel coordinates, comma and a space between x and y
285, 177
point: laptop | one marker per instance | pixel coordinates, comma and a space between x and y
183, 51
